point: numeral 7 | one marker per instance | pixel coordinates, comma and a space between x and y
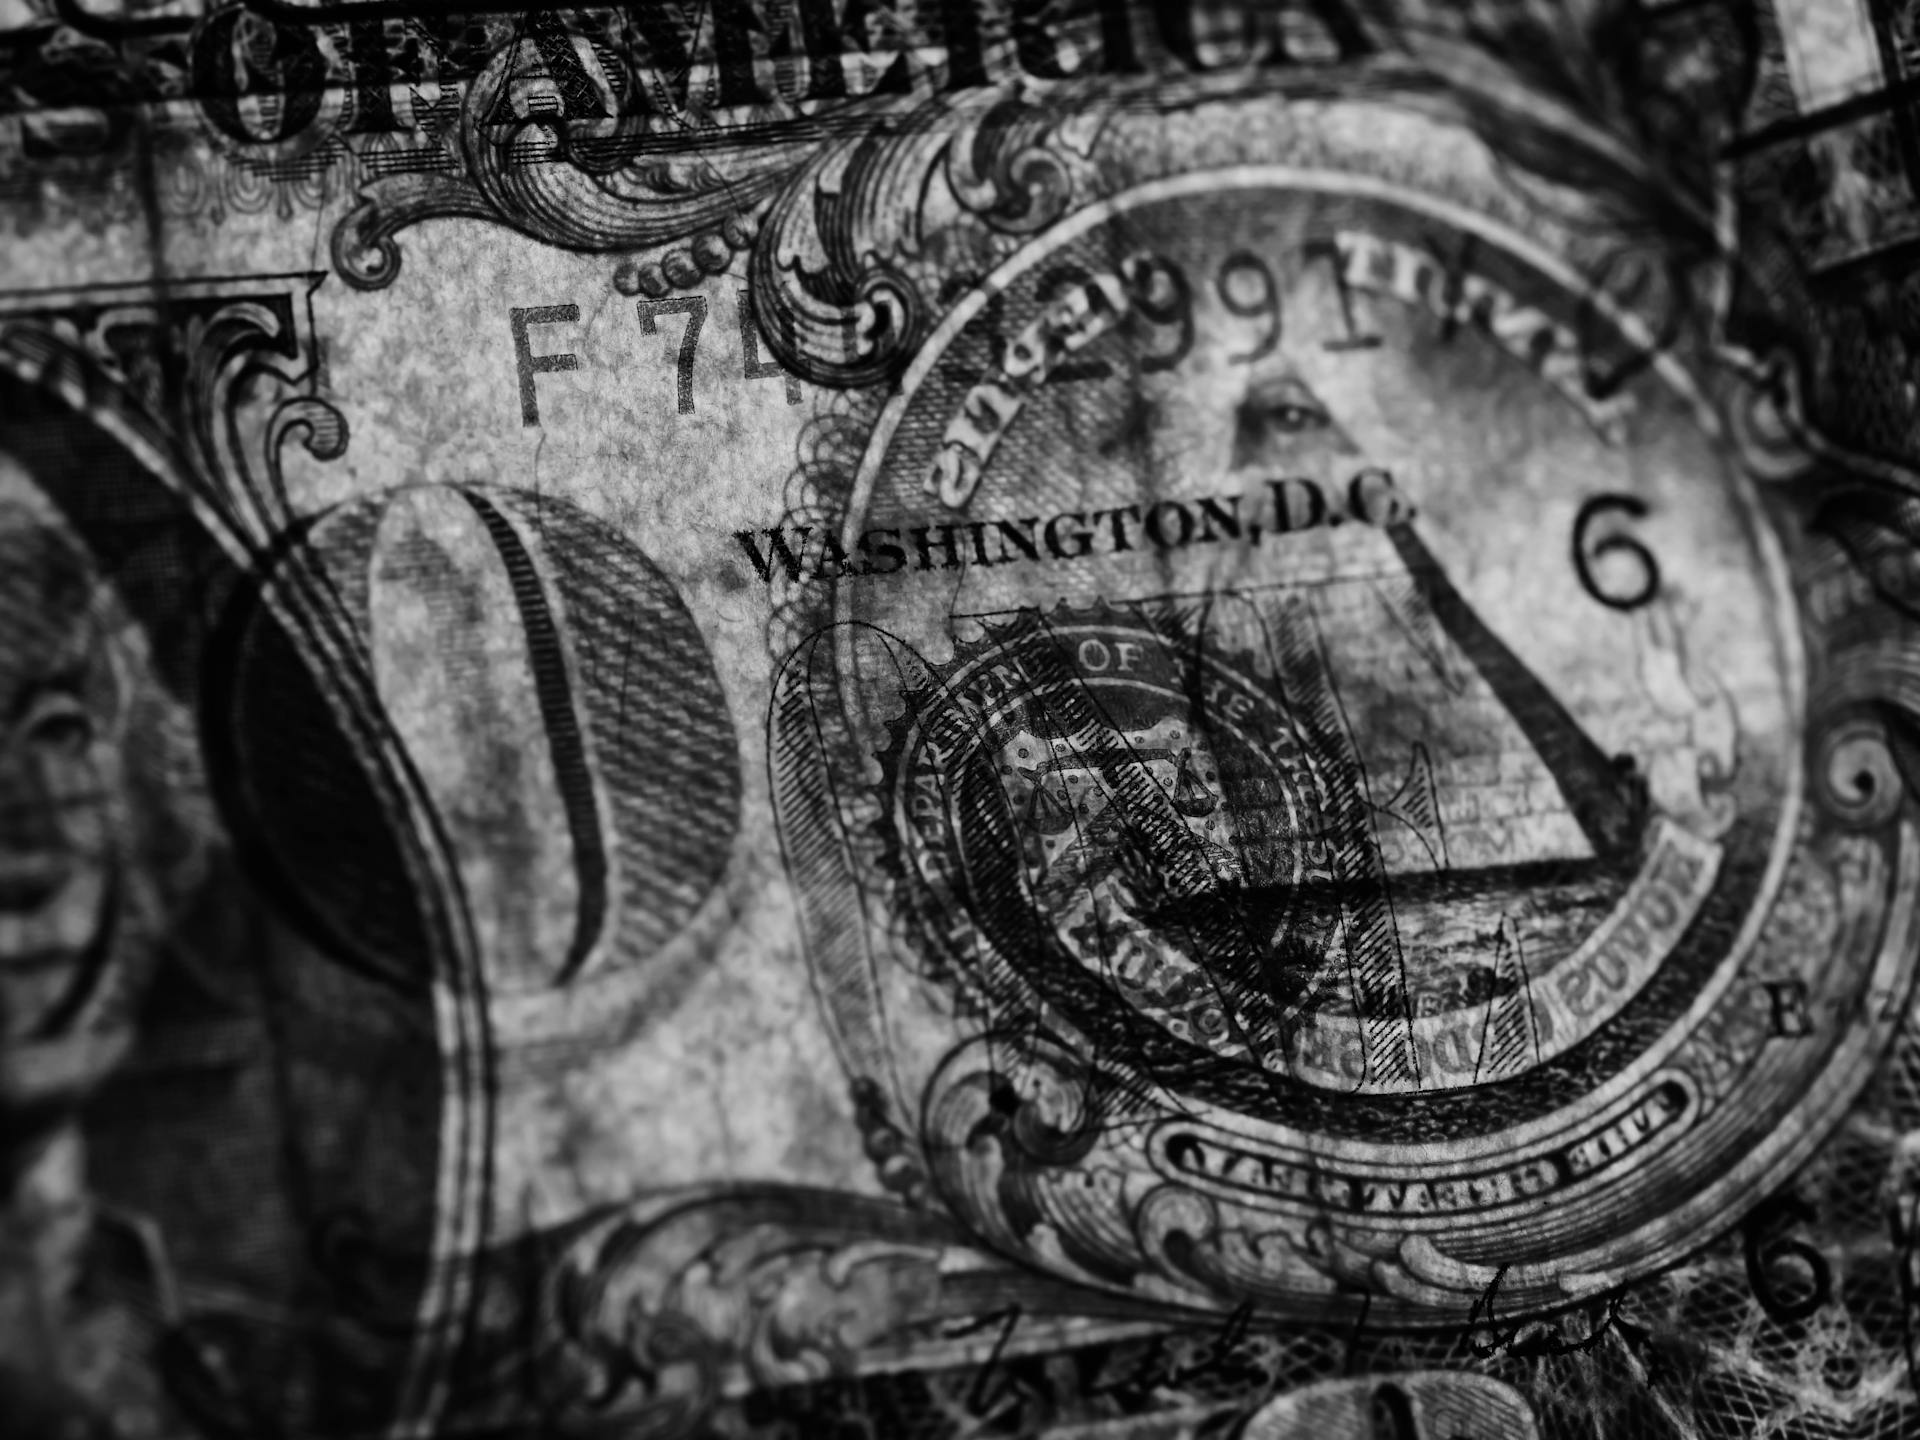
694, 307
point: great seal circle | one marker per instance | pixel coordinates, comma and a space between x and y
1345, 747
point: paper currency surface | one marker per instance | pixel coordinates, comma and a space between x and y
980, 718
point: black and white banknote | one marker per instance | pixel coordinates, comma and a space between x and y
928, 719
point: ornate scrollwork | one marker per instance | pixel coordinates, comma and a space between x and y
594, 188
643, 1313
833, 224
221, 375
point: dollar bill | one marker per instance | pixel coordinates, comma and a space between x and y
985, 718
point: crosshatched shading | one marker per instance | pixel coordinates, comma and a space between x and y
561, 711
1501, 888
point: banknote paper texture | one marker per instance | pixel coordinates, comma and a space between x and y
796, 718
